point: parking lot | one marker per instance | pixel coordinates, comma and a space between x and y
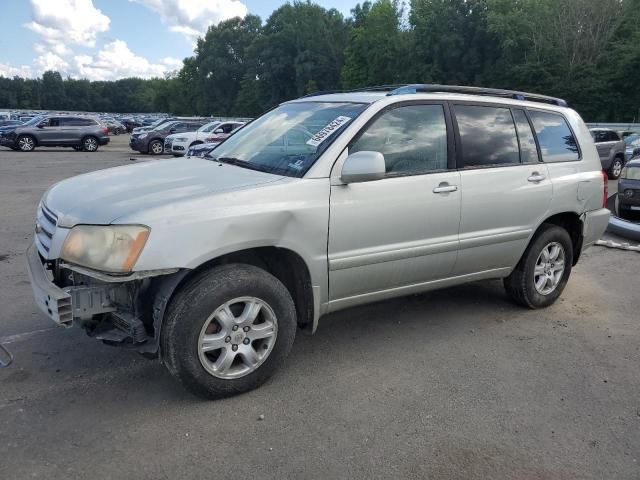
458, 383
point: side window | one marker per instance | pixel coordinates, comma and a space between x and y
227, 127
557, 143
413, 139
599, 136
54, 122
528, 149
613, 136
488, 135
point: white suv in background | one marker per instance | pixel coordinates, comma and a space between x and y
179, 143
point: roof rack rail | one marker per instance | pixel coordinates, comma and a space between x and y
494, 92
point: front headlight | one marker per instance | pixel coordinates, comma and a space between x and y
108, 248
142, 135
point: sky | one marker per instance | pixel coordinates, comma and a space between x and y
111, 39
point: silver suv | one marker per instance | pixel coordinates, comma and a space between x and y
323, 203
611, 148
79, 132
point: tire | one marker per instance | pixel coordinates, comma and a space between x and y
90, 144
615, 170
521, 285
190, 318
26, 143
156, 147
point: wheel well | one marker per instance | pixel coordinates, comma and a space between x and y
286, 265
573, 225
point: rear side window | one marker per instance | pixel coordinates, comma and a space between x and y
528, 149
488, 135
556, 140
79, 122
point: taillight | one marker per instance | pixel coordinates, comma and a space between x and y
105, 130
605, 189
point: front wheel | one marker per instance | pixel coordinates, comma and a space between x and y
616, 168
156, 147
26, 143
228, 330
544, 269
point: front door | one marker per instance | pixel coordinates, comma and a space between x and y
396, 235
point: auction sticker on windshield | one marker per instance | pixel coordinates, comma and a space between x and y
327, 131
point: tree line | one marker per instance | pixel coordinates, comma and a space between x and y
587, 51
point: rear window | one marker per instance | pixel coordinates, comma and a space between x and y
556, 140
488, 135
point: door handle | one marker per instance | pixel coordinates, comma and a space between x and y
536, 177
444, 187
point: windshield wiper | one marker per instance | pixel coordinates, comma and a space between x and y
239, 163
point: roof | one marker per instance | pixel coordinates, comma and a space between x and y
373, 94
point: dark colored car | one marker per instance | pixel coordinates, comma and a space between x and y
152, 141
79, 132
9, 123
130, 124
629, 188
201, 149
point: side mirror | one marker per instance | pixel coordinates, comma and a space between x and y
363, 166
41, 125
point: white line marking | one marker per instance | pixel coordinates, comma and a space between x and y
24, 336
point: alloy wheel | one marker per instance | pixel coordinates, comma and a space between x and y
90, 145
237, 338
26, 144
549, 268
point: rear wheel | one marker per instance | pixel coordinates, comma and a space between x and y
544, 269
228, 330
616, 168
26, 143
90, 144
156, 147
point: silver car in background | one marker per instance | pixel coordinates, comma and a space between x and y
326, 202
611, 149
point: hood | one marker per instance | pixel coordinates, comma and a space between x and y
104, 196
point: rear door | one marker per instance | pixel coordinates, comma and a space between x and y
506, 190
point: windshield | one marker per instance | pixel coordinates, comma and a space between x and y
632, 139
209, 126
34, 120
288, 139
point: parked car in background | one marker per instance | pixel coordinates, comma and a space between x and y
223, 131
114, 126
79, 132
632, 145
5, 116
611, 149
152, 141
9, 123
178, 143
201, 149
153, 124
130, 124
629, 188
213, 264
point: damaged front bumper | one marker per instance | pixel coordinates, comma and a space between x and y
124, 311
